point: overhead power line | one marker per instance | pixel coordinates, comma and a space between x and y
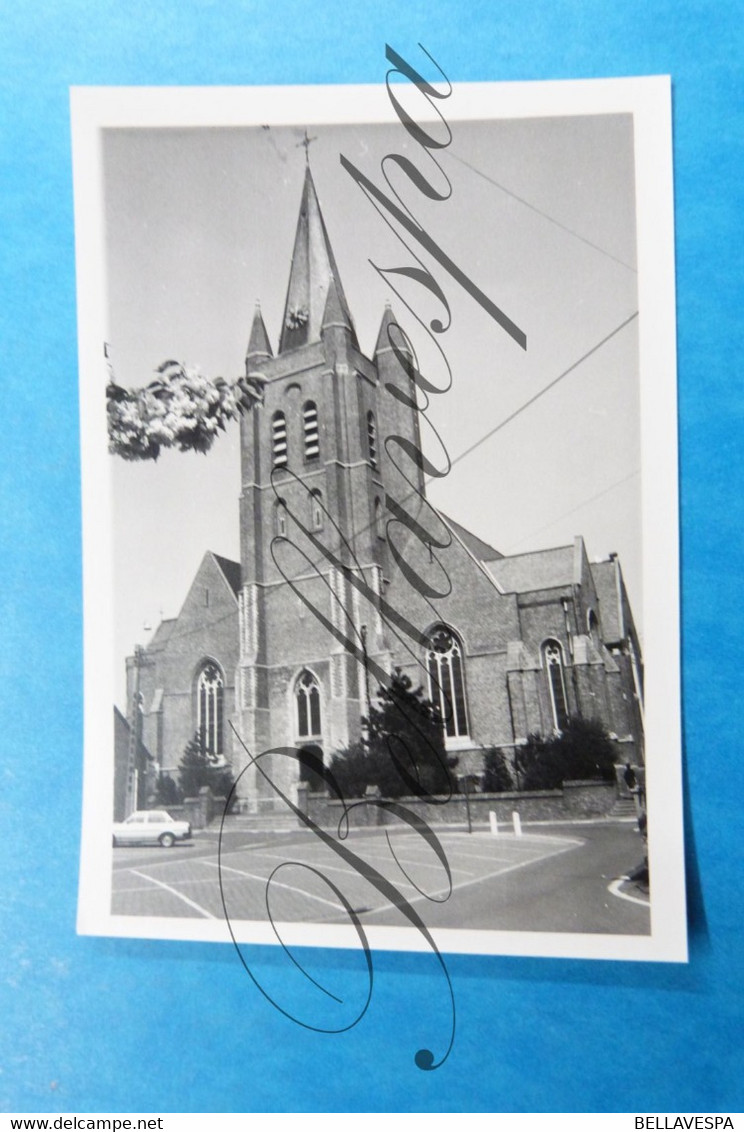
512, 416
546, 389
540, 212
573, 510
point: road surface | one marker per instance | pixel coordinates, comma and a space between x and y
556, 878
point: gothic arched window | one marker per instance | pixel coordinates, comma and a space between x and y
279, 440
372, 439
316, 510
307, 699
447, 680
553, 661
210, 697
310, 430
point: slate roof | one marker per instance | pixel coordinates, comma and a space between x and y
482, 550
162, 633
313, 267
258, 343
122, 736
536, 570
605, 579
231, 571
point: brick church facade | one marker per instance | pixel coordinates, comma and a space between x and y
346, 572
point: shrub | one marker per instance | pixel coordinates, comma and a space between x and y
402, 751
497, 776
582, 750
166, 791
199, 768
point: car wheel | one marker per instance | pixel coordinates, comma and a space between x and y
166, 840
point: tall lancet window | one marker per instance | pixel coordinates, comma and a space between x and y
447, 680
307, 696
372, 439
210, 697
310, 428
553, 661
279, 440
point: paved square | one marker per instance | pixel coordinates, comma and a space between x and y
552, 879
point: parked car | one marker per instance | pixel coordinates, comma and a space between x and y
151, 827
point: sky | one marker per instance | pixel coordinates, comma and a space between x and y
200, 225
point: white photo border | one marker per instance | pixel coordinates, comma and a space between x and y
95, 109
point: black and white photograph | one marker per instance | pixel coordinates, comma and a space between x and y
380, 516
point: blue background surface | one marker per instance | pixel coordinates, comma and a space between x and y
117, 1025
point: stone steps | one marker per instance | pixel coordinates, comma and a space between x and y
623, 808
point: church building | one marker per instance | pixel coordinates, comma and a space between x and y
346, 573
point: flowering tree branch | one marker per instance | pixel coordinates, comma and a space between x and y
181, 409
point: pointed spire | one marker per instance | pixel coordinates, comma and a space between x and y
258, 343
383, 338
313, 266
335, 313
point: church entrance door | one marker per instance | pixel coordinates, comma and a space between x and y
315, 783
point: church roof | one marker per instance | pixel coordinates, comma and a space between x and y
258, 343
477, 547
313, 267
610, 602
231, 571
335, 313
122, 733
383, 338
536, 570
162, 633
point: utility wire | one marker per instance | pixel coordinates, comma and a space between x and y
573, 510
543, 391
512, 416
539, 211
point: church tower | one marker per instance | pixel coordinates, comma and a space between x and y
338, 548
315, 471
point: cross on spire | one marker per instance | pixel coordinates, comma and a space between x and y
305, 143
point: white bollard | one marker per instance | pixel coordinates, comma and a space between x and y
494, 823
517, 824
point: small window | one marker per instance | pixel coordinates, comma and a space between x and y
372, 439
316, 511
280, 518
279, 440
310, 428
379, 519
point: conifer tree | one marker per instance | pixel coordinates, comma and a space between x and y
197, 768
402, 750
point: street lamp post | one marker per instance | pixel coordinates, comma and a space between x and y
136, 759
